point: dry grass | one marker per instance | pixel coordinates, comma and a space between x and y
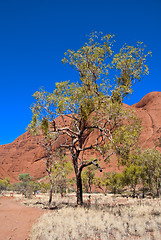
133, 219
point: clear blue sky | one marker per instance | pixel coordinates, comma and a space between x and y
34, 34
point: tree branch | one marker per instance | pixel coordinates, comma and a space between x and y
88, 164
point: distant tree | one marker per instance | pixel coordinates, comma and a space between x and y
44, 187
60, 170
113, 181
93, 104
144, 169
4, 184
47, 144
151, 164
17, 186
71, 184
25, 178
131, 176
100, 184
88, 177
35, 186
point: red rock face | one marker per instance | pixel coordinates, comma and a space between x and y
148, 111
24, 155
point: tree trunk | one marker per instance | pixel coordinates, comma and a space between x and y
51, 190
79, 190
51, 194
143, 195
133, 194
79, 179
158, 188
143, 189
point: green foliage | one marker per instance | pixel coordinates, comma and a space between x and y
71, 184
144, 170
61, 168
45, 126
99, 184
113, 181
4, 184
88, 177
18, 187
151, 164
131, 63
44, 187
93, 62
131, 176
34, 186
25, 178
126, 136
110, 181
93, 104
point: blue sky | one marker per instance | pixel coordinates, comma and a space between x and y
34, 34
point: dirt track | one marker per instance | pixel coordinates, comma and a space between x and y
16, 219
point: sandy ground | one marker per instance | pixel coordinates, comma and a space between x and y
16, 219
18, 214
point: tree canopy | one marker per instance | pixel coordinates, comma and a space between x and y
94, 104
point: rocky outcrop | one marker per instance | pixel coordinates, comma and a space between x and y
148, 110
24, 155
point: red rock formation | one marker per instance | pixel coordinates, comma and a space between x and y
24, 155
148, 111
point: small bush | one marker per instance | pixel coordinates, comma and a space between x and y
4, 184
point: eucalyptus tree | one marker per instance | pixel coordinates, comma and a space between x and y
25, 178
60, 170
144, 168
131, 176
150, 160
88, 178
46, 142
55, 159
113, 181
92, 107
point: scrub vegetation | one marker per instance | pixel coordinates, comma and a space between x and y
139, 220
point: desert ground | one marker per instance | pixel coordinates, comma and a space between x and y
16, 219
102, 218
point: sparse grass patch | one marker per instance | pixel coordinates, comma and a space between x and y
141, 220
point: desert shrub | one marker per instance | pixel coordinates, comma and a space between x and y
17, 187
60, 171
88, 178
4, 184
71, 183
25, 178
144, 170
126, 222
113, 181
44, 187
34, 186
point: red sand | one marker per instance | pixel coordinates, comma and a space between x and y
16, 219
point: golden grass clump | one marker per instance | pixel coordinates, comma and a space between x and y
137, 221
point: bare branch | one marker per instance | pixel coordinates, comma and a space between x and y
88, 164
